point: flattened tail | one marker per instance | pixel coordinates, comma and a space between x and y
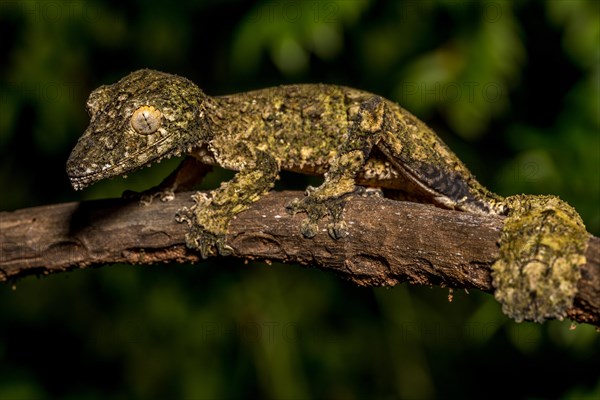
467, 194
455, 190
484, 203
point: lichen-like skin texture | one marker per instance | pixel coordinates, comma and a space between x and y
349, 136
542, 249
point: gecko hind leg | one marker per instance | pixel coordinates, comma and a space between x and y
188, 174
328, 199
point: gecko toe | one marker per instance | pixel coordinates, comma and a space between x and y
294, 206
338, 230
147, 196
316, 209
309, 228
206, 243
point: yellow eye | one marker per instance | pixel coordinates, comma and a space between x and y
146, 120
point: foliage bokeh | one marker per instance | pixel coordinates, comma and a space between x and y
512, 87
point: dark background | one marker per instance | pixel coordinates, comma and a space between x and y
512, 87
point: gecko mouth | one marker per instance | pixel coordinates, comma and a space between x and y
80, 182
81, 178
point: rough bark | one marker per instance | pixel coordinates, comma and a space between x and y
389, 242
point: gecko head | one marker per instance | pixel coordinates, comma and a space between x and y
145, 117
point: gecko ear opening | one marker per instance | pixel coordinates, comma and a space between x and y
146, 120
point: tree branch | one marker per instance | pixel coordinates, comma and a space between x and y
389, 242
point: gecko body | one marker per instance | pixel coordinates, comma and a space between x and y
348, 136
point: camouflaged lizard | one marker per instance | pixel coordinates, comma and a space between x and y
351, 137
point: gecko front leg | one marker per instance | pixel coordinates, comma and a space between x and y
209, 217
187, 175
339, 183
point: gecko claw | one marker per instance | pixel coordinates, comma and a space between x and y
200, 239
338, 230
208, 244
147, 196
309, 228
316, 209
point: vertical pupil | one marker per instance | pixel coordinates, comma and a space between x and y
146, 115
146, 120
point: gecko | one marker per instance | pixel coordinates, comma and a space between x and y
352, 138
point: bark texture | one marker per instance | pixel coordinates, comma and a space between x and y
389, 242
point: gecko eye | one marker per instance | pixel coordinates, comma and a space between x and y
146, 120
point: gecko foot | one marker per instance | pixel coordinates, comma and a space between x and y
199, 237
207, 243
147, 196
316, 208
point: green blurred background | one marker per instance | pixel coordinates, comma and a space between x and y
512, 87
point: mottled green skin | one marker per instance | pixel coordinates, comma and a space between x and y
542, 250
346, 135
111, 147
